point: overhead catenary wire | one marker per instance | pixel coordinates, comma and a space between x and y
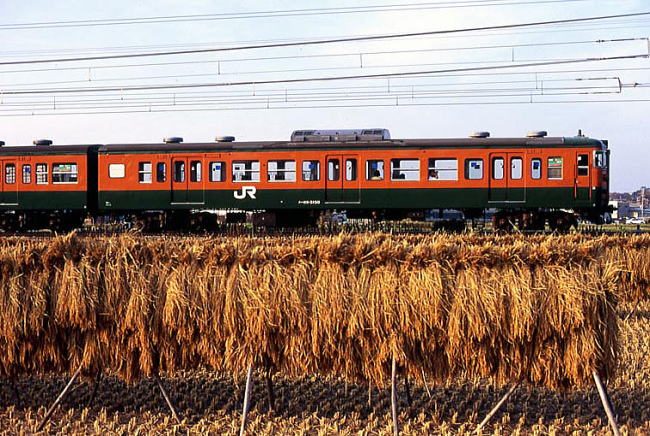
332, 55
319, 79
403, 104
627, 23
277, 13
326, 41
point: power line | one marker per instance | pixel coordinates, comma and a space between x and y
615, 24
404, 104
327, 41
275, 14
358, 55
316, 79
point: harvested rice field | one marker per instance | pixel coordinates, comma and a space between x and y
469, 315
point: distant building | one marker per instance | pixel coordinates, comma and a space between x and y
621, 209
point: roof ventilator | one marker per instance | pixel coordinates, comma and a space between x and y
537, 134
42, 142
173, 140
480, 135
224, 138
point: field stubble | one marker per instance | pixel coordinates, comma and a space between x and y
210, 403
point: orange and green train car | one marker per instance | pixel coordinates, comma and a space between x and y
526, 179
529, 181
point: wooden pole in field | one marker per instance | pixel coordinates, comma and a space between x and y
607, 405
167, 400
48, 415
496, 408
247, 400
393, 396
426, 386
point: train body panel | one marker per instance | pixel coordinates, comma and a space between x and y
367, 176
46, 178
418, 174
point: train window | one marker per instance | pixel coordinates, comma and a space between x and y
10, 173
195, 171
375, 170
536, 168
64, 173
310, 170
443, 169
161, 172
27, 174
473, 169
217, 171
179, 171
600, 159
41, 174
333, 169
497, 168
516, 168
282, 171
246, 171
350, 169
144, 172
583, 164
405, 169
554, 170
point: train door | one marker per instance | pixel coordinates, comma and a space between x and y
9, 185
497, 185
581, 185
187, 180
342, 179
516, 182
506, 178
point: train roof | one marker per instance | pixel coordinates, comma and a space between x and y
45, 149
546, 142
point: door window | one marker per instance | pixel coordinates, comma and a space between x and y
333, 170
497, 168
195, 171
516, 168
350, 169
179, 171
583, 164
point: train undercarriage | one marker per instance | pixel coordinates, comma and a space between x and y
214, 221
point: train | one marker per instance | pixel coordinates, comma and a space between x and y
526, 182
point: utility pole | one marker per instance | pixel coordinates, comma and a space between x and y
642, 200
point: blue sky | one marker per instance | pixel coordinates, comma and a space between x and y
438, 105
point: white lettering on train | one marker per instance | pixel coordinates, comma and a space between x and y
245, 191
